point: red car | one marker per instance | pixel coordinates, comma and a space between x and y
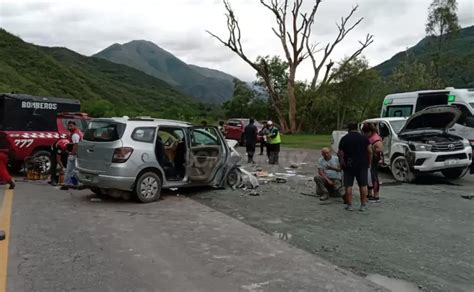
234, 129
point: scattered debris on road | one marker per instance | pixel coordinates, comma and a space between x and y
254, 193
280, 180
468, 197
249, 181
96, 200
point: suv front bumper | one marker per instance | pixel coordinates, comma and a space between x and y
426, 161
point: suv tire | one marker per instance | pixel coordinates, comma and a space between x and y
401, 170
454, 173
44, 156
148, 187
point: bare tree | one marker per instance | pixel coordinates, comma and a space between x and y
293, 28
260, 66
293, 38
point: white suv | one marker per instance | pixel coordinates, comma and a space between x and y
423, 144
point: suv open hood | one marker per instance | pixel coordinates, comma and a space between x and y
436, 117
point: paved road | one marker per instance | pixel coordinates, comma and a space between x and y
63, 241
422, 233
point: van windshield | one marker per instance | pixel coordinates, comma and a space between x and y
104, 131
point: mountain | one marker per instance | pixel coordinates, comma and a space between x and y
457, 59
99, 84
206, 85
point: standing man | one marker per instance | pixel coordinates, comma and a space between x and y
58, 157
75, 138
222, 128
250, 135
355, 154
4, 174
328, 179
274, 141
263, 140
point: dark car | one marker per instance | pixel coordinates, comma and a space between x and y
234, 129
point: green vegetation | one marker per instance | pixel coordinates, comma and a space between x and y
456, 66
306, 141
103, 87
204, 84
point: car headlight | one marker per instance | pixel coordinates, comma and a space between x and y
420, 147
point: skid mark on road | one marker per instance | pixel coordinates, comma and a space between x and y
5, 215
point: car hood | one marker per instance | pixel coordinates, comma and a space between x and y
435, 118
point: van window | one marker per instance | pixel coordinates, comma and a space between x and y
146, 135
430, 99
399, 111
104, 131
465, 113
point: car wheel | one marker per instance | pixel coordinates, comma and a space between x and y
401, 170
454, 173
148, 187
234, 178
45, 158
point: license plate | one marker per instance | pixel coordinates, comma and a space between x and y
451, 162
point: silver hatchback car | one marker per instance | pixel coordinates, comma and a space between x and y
144, 155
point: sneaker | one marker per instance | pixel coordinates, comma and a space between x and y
374, 200
349, 208
363, 208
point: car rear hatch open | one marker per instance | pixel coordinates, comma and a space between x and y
432, 118
96, 151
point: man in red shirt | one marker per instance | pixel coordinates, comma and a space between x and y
58, 157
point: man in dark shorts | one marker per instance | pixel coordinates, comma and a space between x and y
250, 135
355, 154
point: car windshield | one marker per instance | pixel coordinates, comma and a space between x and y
397, 125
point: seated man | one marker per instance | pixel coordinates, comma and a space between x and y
328, 180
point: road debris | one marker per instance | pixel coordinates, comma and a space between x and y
467, 197
294, 165
254, 193
249, 181
280, 180
96, 200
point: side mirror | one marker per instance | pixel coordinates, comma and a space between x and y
470, 122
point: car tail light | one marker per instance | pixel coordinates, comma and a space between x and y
122, 154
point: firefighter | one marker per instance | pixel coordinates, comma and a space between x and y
4, 174
274, 141
74, 139
58, 157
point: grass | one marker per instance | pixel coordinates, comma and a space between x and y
307, 141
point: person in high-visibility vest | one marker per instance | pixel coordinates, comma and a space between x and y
274, 141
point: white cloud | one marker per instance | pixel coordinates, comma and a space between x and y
179, 26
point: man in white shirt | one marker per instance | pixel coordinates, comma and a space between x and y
75, 138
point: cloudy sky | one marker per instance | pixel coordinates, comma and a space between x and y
179, 26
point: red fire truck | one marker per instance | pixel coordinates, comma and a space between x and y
30, 125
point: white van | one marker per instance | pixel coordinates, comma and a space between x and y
407, 103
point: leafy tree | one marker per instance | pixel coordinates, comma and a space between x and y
443, 25
412, 75
245, 103
354, 89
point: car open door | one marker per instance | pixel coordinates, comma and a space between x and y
208, 154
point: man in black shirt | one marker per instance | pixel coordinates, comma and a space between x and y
355, 155
250, 135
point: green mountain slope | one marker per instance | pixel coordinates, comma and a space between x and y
457, 59
101, 85
205, 84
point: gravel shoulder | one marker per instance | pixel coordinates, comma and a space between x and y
422, 233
